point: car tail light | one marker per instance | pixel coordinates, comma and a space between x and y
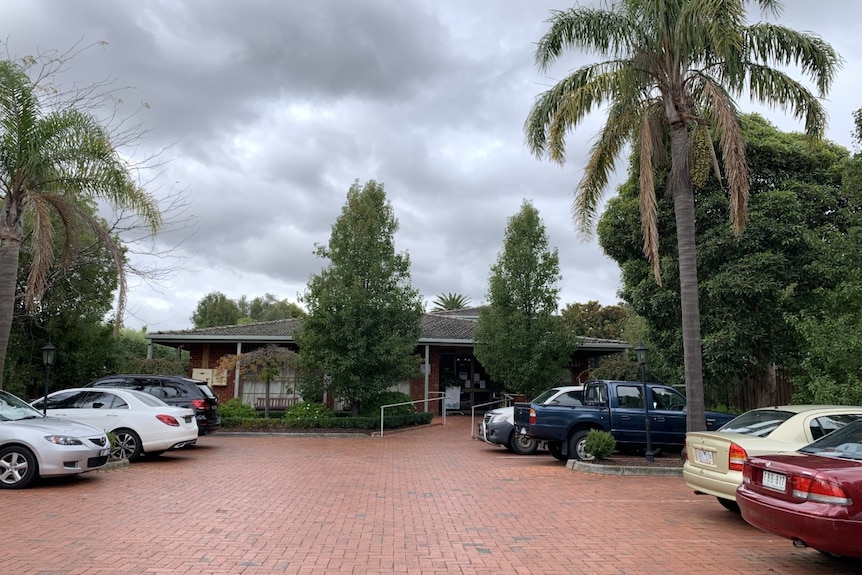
812, 488
736, 457
747, 470
532, 416
199, 404
168, 420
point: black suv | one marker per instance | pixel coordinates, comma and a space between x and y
173, 390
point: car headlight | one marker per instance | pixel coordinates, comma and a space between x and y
498, 417
63, 440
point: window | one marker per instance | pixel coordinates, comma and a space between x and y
630, 396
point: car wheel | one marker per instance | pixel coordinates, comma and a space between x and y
728, 504
127, 445
522, 444
556, 449
18, 467
578, 446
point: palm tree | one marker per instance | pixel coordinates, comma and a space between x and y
52, 164
672, 71
450, 302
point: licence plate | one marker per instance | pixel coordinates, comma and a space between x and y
703, 456
776, 481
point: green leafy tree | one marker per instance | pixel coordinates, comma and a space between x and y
50, 161
450, 301
830, 367
216, 309
270, 308
751, 285
363, 317
518, 339
594, 320
672, 71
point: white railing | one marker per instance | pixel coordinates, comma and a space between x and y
443, 394
505, 401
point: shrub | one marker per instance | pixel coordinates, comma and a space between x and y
236, 408
600, 444
372, 408
308, 410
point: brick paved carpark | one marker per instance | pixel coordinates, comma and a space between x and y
429, 500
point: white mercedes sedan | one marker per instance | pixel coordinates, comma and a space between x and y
140, 423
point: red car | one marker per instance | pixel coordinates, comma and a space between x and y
812, 496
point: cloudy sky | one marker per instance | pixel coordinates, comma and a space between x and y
268, 111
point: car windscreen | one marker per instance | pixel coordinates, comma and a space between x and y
545, 395
758, 423
13, 408
845, 443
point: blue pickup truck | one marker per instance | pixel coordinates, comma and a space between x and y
616, 407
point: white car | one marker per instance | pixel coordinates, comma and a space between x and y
141, 424
498, 425
32, 445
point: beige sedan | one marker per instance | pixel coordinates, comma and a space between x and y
714, 459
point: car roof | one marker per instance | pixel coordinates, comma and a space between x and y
568, 387
808, 407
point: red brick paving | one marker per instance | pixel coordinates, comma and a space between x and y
429, 501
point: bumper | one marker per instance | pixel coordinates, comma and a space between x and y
67, 460
807, 522
710, 482
496, 433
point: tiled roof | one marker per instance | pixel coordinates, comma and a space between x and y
439, 328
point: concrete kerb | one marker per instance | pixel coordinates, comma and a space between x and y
654, 471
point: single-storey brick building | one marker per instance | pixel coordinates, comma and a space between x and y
445, 347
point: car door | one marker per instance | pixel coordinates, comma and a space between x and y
667, 416
100, 408
627, 417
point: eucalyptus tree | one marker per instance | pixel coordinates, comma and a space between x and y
670, 78
52, 160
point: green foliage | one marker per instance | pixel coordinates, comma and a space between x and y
596, 321
215, 309
369, 424
600, 444
518, 339
56, 162
754, 288
235, 408
668, 73
307, 410
450, 301
372, 408
363, 317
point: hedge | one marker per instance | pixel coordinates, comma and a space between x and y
333, 422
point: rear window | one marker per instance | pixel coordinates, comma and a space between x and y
845, 443
759, 423
206, 390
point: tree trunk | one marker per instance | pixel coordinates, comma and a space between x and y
683, 201
11, 229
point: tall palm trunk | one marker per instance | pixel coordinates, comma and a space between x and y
11, 230
683, 202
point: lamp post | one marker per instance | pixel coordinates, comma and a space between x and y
49, 354
642, 353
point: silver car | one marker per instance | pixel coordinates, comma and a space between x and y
32, 445
498, 425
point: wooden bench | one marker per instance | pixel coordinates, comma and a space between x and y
275, 403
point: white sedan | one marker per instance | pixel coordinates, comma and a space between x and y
714, 459
141, 424
32, 445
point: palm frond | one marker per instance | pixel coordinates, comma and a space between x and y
605, 32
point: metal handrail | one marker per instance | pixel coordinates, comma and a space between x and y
443, 394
